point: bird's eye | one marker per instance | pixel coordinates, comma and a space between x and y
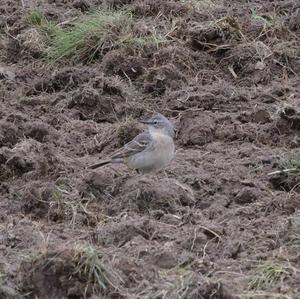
155, 122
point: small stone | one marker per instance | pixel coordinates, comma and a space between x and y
260, 65
246, 195
267, 160
165, 260
261, 116
7, 74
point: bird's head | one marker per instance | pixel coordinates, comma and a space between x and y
160, 124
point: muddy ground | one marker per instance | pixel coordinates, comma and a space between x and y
215, 223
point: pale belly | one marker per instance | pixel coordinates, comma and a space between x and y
154, 160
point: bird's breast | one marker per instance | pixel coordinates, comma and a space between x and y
165, 148
157, 157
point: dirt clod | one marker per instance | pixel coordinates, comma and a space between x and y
246, 195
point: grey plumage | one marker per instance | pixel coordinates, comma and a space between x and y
149, 151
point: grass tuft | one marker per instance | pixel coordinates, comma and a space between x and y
96, 34
289, 167
89, 266
36, 17
292, 164
82, 265
89, 37
267, 20
38, 20
267, 275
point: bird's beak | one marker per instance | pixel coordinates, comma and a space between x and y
146, 122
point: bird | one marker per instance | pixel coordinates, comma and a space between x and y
150, 151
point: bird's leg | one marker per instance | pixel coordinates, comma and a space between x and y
119, 173
140, 175
133, 172
165, 173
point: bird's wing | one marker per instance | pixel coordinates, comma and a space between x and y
138, 144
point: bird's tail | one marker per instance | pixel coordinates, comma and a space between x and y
102, 163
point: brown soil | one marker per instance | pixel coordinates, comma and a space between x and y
228, 79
